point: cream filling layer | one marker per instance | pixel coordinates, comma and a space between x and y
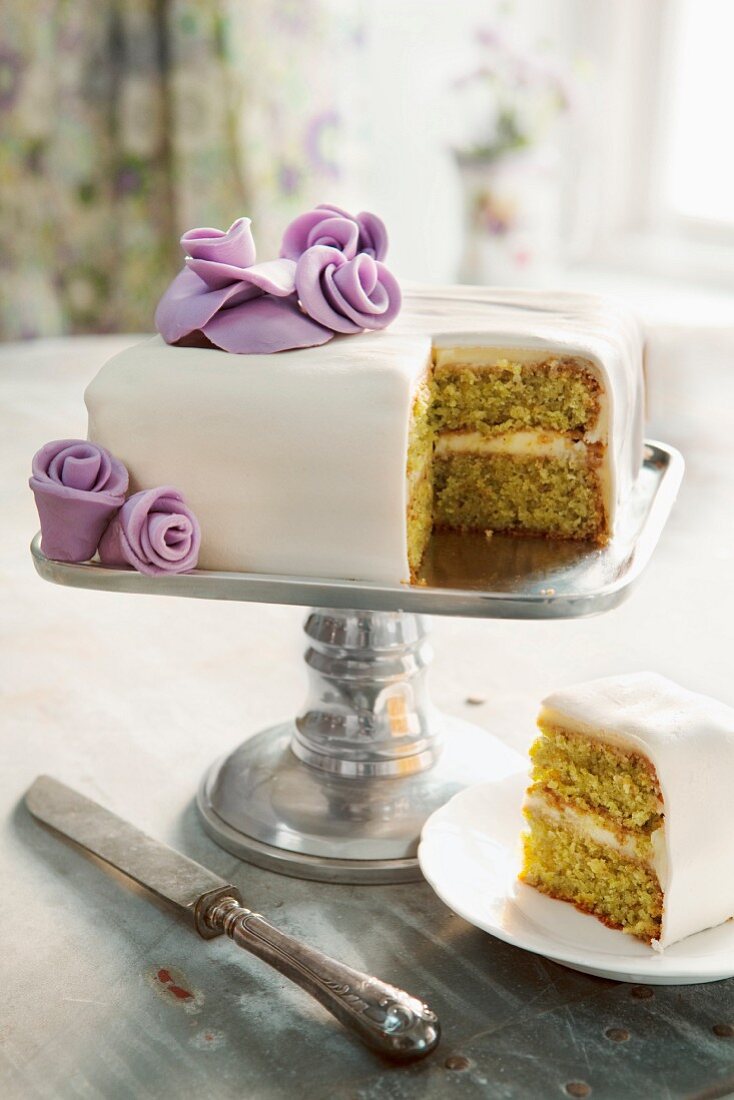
529, 444
584, 824
504, 357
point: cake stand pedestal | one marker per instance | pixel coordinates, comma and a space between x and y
341, 792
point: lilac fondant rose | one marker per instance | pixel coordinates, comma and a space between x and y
154, 532
346, 295
335, 228
78, 487
238, 305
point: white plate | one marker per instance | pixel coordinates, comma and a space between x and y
469, 853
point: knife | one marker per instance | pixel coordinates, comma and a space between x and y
388, 1020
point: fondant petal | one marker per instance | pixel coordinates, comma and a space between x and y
82, 471
336, 232
236, 246
216, 275
188, 304
362, 311
263, 326
273, 276
296, 234
372, 235
313, 273
357, 281
324, 226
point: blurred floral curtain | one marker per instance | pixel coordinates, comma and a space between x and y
125, 122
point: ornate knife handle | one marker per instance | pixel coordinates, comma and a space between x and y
387, 1019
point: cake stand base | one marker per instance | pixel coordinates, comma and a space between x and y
265, 805
341, 793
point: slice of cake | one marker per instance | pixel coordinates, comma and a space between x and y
629, 810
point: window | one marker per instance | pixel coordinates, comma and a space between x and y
659, 158
696, 179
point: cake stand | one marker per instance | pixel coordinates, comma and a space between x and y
340, 793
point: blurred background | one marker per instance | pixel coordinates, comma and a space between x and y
579, 143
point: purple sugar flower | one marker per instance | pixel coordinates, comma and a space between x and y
331, 226
78, 487
154, 532
346, 295
320, 227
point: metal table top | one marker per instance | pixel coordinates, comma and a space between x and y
129, 700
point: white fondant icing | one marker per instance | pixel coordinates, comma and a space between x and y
295, 463
689, 739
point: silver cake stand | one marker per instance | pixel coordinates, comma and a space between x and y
340, 793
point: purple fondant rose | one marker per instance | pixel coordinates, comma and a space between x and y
78, 487
346, 295
237, 304
154, 532
335, 228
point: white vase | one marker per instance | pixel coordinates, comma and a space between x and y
511, 218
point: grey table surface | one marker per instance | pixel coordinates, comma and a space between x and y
129, 698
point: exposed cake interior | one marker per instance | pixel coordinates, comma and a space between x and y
509, 440
595, 830
496, 391
420, 475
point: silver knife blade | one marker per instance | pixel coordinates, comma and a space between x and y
163, 872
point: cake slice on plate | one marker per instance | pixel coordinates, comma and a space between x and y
631, 806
